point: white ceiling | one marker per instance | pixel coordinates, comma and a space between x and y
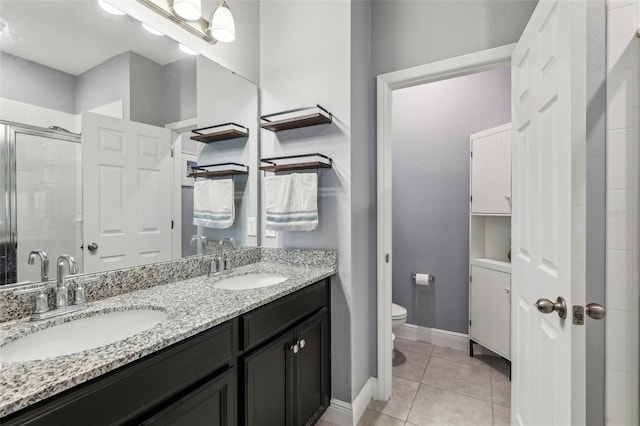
73, 36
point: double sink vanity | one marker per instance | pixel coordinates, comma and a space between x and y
169, 344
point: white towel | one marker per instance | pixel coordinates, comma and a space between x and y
213, 203
292, 202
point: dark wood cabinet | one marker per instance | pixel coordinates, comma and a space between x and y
270, 366
211, 404
286, 381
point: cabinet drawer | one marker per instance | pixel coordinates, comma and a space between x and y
126, 393
269, 320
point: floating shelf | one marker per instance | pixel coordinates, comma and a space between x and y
218, 170
297, 162
296, 118
220, 132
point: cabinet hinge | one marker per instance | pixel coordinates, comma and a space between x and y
171, 152
470, 278
171, 224
469, 323
471, 198
471, 154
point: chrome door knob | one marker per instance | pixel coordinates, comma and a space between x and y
92, 247
546, 306
595, 311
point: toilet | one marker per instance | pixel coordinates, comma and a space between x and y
398, 319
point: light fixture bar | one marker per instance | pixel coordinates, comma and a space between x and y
183, 24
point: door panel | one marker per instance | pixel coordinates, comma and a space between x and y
548, 214
126, 175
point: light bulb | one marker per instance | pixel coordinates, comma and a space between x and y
191, 10
222, 26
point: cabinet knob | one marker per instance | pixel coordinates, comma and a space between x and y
295, 348
302, 343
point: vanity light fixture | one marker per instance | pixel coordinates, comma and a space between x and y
221, 24
190, 10
187, 50
151, 29
219, 27
109, 8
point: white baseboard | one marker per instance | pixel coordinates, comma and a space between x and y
349, 414
434, 336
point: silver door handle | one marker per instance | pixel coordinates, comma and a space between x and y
595, 311
92, 247
546, 306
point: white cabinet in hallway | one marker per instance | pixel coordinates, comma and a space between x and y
491, 171
490, 240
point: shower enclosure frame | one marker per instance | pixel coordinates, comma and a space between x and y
8, 183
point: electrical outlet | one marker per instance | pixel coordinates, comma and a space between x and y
252, 227
270, 233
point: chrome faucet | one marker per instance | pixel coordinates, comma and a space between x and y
200, 241
66, 263
62, 293
44, 263
221, 264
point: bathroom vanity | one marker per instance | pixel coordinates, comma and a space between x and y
249, 357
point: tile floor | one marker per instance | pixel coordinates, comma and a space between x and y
435, 385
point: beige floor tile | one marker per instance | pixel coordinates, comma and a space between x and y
439, 407
501, 415
373, 418
409, 365
479, 360
500, 388
461, 378
325, 423
402, 395
407, 345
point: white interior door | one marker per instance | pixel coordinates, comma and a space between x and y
548, 222
127, 176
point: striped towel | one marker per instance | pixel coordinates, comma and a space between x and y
292, 202
213, 203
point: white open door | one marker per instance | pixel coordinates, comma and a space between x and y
127, 176
548, 222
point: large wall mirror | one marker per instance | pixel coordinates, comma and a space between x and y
96, 118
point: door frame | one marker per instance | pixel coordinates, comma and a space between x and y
386, 83
177, 128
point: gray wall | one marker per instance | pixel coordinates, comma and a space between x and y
32, 83
105, 83
596, 205
431, 128
146, 82
180, 90
409, 33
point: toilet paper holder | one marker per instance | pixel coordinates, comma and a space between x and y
429, 279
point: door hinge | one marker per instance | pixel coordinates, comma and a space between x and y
386, 258
471, 198
470, 278
171, 224
471, 154
469, 323
171, 152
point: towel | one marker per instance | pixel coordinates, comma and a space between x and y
213, 203
292, 202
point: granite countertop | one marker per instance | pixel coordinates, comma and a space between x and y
192, 306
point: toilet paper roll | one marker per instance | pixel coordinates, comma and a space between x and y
424, 279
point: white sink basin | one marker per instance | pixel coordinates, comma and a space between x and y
249, 281
80, 335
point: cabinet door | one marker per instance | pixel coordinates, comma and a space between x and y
490, 309
268, 384
211, 404
491, 173
312, 368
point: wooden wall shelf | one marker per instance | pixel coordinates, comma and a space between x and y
220, 132
218, 170
296, 162
296, 118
